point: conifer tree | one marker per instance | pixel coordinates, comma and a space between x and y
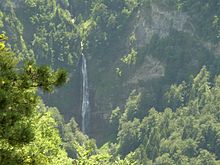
27, 136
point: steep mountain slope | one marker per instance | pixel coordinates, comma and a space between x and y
140, 45
169, 49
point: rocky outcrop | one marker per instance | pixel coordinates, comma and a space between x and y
159, 21
150, 69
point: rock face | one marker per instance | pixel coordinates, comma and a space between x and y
150, 69
159, 21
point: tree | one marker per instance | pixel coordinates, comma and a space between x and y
187, 135
26, 130
86, 155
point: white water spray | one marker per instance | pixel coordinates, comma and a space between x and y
85, 96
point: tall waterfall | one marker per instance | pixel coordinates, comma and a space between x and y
85, 97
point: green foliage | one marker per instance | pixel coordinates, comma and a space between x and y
42, 30
115, 116
85, 29
181, 54
46, 147
187, 135
130, 58
51, 31
27, 136
86, 155
175, 96
131, 108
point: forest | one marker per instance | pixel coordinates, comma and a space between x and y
114, 82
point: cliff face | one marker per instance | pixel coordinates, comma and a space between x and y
168, 44
158, 20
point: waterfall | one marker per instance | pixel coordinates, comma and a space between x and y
85, 97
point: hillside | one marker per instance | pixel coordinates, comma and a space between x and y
140, 82
140, 45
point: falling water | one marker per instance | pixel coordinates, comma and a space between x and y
85, 98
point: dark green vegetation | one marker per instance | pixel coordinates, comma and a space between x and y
135, 49
27, 131
186, 134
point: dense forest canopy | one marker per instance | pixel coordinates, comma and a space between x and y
153, 82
